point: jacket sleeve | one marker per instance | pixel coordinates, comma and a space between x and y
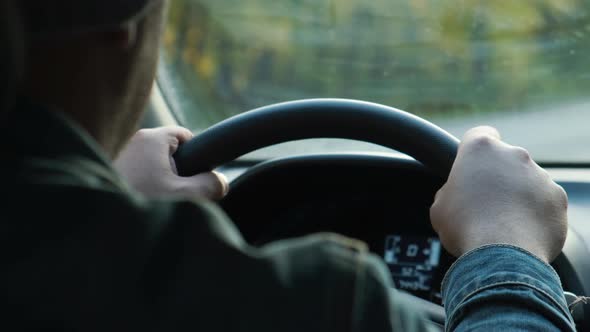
351, 288
504, 288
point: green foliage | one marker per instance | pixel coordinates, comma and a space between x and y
429, 57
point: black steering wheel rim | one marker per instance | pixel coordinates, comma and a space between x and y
319, 118
323, 118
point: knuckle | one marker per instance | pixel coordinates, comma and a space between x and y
185, 131
523, 154
481, 142
434, 215
179, 133
142, 134
173, 143
561, 194
170, 130
439, 193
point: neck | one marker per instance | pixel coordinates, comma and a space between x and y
83, 90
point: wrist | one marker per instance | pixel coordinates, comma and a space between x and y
509, 234
476, 248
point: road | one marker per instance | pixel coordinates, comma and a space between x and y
550, 134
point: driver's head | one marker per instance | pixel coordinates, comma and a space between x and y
94, 60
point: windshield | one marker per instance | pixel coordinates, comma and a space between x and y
522, 66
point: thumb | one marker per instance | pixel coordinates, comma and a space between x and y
211, 185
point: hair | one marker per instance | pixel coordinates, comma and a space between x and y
11, 59
101, 80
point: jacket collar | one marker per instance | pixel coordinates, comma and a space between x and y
35, 131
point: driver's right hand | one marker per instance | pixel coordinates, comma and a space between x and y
147, 164
496, 194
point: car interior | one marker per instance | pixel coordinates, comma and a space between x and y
349, 162
290, 178
382, 199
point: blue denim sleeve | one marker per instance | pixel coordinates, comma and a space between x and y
504, 288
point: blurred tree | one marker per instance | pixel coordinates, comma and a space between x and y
425, 56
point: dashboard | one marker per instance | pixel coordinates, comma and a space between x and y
383, 200
388, 210
415, 264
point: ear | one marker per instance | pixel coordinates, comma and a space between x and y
123, 37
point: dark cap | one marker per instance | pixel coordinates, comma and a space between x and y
46, 18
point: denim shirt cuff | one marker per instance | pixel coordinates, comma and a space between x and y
499, 265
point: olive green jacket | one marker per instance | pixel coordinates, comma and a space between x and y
83, 252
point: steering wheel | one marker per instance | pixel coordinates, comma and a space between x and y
322, 118
319, 118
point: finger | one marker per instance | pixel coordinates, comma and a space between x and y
184, 135
212, 185
224, 182
175, 136
180, 133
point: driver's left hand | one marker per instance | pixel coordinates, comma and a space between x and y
147, 164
